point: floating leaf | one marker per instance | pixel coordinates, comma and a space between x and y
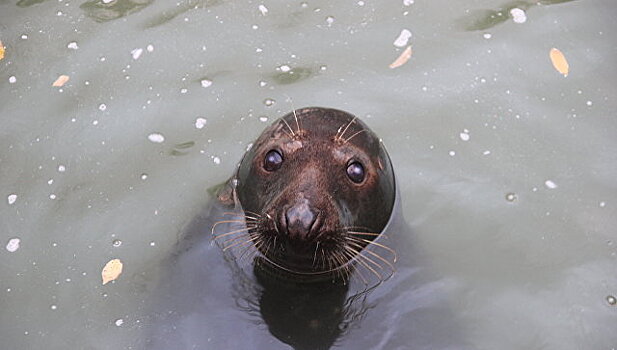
1, 50
402, 59
559, 62
61, 81
112, 270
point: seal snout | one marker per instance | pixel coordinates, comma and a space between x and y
300, 221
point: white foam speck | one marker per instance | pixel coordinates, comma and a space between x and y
61, 168
102, 107
72, 45
403, 38
150, 48
452, 153
136, 53
12, 79
263, 9
408, 2
464, 136
200, 123
119, 322
550, 184
206, 83
13, 244
487, 35
518, 15
216, 160
11, 198
156, 137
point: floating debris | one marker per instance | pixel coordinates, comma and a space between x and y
200, 123
403, 38
206, 83
550, 184
518, 15
13, 244
11, 198
136, 53
1, 50
402, 59
111, 271
559, 61
61, 81
156, 137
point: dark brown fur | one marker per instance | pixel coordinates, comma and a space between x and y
317, 145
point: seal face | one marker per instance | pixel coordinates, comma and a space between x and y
316, 188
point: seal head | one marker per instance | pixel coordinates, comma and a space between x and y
316, 188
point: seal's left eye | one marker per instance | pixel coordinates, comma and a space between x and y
355, 172
273, 160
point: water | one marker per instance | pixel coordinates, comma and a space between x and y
506, 167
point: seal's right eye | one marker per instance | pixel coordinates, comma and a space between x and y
273, 160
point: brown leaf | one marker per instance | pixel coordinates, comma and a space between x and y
559, 62
1, 50
112, 270
402, 59
61, 81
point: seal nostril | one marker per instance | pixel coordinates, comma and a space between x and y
299, 220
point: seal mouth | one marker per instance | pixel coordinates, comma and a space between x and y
336, 253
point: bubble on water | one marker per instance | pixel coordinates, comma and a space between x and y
329, 20
518, 15
464, 135
24, 36
589, 103
403, 38
216, 160
143, 176
550, 184
200, 123
61, 168
12, 79
184, 90
284, 68
150, 48
323, 67
511, 197
53, 307
11, 198
136, 53
119, 322
269, 102
13, 244
452, 153
116, 243
72, 45
152, 244
206, 83
263, 119
611, 300
102, 107
52, 196
262, 83
156, 137
487, 35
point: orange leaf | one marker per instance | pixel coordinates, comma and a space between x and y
402, 59
61, 81
112, 270
559, 62
1, 50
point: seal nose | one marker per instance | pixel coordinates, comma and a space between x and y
300, 221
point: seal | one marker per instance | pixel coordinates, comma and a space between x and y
315, 189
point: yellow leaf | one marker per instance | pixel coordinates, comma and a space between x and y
402, 59
61, 81
1, 50
112, 270
559, 62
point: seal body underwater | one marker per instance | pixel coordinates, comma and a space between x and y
315, 189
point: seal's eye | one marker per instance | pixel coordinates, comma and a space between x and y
355, 172
273, 160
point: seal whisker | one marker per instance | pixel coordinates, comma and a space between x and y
367, 266
293, 134
297, 122
233, 239
347, 127
242, 242
243, 215
360, 255
221, 235
373, 234
392, 251
225, 222
315, 254
354, 135
373, 254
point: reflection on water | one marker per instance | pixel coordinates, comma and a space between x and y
101, 11
485, 19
